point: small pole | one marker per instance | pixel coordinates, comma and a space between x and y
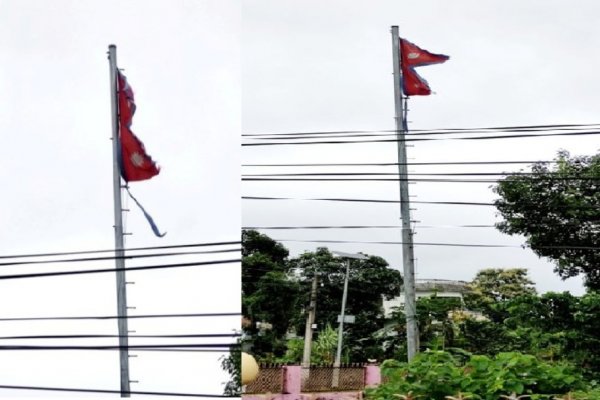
119, 248
412, 330
310, 320
338, 354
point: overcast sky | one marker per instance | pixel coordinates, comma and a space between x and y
182, 59
205, 70
311, 66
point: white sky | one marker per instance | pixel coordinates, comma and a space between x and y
305, 66
327, 66
182, 59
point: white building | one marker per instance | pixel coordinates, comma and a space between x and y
426, 288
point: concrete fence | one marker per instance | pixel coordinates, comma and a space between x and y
290, 382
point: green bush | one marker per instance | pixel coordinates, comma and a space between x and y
437, 374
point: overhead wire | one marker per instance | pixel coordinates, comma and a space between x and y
129, 347
409, 139
67, 253
438, 130
457, 203
363, 227
97, 336
396, 164
125, 257
105, 270
109, 317
87, 390
438, 244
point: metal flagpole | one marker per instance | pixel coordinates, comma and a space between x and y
119, 248
412, 330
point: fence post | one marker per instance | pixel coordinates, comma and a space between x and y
292, 379
372, 375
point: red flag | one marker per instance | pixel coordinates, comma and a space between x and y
413, 56
136, 164
413, 84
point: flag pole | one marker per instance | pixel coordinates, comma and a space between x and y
408, 258
119, 248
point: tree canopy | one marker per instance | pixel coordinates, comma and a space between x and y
369, 280
557, 208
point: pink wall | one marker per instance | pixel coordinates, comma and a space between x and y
292, 383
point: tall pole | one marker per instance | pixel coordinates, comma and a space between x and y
310, 320
119, 248
338, 354
412, 330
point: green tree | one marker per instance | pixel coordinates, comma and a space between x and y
269, 293
370, 281
232, 364
493, 285
557, 209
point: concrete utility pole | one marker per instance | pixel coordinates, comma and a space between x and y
338, 355
119, 248
310, 320
408, 258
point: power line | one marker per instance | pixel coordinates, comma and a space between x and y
396, 164
519, 136
84, 390
555, 176
130, 347
82, 336
366, 227
126, 257
67, 253
457, 203
441, 244
321, 135
325, 227
370, 180
438, 180
441, 130
108, 317
370, 201
103, 270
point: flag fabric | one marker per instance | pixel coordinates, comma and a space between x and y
135, 163
413, 84
148, 217
412, 56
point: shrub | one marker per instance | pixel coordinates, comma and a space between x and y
437, 374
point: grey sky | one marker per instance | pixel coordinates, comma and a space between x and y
327, 66
182, 60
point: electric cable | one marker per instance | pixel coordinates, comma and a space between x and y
396, 164
108, 317
125, 257
82, 336
67, 253
129, 347
410, 133
103, 270
433, 131
440, 244
86, 390
457, 203
517, 136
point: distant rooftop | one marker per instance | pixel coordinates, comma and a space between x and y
441, 285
